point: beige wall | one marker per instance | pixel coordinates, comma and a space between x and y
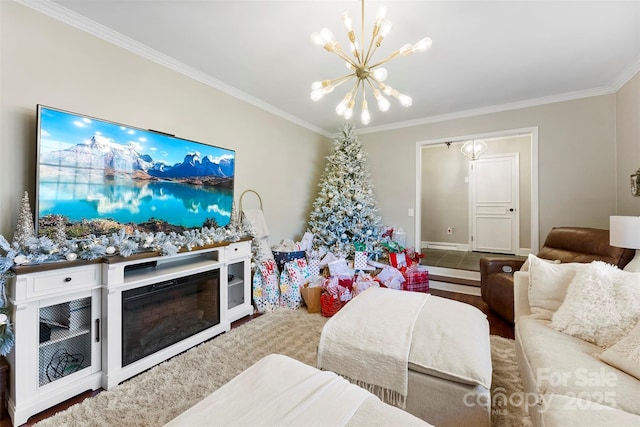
576, 156
445, 194
43, 61
628, 144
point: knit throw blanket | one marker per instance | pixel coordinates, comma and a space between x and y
369, 339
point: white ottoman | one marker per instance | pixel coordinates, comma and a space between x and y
449, 364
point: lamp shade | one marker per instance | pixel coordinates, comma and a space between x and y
624, 231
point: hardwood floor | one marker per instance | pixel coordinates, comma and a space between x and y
497, 326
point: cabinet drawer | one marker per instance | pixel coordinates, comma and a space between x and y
63, 280
237, 249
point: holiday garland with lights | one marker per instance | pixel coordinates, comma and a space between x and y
345, 212
29, 249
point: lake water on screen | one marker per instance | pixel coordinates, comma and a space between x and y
127, 200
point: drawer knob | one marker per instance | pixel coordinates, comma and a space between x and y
67, 279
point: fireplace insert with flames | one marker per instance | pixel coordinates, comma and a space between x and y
159, 315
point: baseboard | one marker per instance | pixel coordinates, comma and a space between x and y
445, 246
462, 247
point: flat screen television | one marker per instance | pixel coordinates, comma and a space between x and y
99, 177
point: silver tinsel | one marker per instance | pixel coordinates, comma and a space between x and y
25, 228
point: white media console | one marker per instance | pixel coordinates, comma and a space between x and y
52, 362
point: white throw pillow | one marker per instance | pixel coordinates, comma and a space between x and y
602, 304
625, 354
525, 266
548, 283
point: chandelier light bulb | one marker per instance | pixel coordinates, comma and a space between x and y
348, 113
317, 39
382, 32
346, 20
405, 100
406, 50
365, 117
381, 14
341, 108
385, 29
316, 86
383, 103
422, 45
327, 37
380, 74
317, 95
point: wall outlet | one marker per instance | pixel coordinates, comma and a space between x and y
449, 230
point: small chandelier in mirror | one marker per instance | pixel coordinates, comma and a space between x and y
473, 149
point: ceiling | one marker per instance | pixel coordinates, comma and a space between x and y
486, 55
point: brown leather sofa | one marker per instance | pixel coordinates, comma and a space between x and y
567, 244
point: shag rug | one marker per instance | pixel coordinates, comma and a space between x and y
158, 395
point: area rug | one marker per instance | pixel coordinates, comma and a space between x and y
161, 393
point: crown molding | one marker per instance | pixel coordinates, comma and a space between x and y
87, 25
626, 75
569, 96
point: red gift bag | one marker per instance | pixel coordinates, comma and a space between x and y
416, 279
398, 259
329, 305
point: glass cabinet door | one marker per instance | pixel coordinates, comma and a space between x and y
65, 342
235, 284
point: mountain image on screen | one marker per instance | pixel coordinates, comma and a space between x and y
101, 153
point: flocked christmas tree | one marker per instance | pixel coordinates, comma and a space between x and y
345, 212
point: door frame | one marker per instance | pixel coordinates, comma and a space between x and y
473, 214
532, 131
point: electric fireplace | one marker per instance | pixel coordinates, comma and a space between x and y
161, 314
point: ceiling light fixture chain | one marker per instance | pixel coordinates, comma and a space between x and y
360, 68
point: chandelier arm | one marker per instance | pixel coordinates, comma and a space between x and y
371, 49
343, 55
354, 90
387, 59
378, 82
355, 86
338, 81
371, 78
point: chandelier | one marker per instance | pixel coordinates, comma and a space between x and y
473, 149
362, 68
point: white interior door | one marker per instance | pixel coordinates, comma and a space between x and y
493, 191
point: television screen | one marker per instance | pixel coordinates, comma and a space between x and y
98, 177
